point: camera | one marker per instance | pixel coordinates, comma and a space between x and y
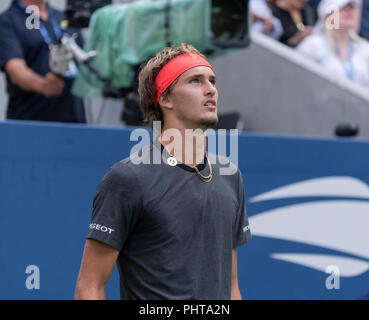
79, 12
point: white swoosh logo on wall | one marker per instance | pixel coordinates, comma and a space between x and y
349, 267
340, 225
321, 187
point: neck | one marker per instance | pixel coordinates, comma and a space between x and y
341, 38
186, 145
41, 4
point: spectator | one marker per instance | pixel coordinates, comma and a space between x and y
297, 19
336, 44
34, 92
263, 20
364, 32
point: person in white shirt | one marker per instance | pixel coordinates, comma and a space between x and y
263, 19
335, 44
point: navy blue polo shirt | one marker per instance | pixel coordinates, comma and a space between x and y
17, 41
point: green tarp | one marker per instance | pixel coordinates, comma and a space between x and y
126, 35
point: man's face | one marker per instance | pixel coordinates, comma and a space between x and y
194, 98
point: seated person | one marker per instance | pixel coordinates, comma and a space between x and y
34, 92
263, 20
336, 45
297, 19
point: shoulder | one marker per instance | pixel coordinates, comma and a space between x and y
225, 167
5, 17
316, 38
130, 169
11, 24
13, 19
362, 44
59, 15
361, 54
121, 171
312, 43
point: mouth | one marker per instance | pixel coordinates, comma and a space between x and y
210, 104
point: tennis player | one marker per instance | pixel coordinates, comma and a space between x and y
172, 228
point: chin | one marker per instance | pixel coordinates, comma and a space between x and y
210, 122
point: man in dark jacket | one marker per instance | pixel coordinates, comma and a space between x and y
27, 29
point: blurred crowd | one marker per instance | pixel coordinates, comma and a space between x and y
334, 33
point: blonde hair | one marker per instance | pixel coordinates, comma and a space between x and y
146, 80
352, 34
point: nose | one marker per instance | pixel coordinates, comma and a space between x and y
210, 89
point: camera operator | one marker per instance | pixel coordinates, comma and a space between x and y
34, 92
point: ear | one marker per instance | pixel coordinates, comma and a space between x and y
165, 102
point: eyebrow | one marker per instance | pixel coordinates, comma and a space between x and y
213, 77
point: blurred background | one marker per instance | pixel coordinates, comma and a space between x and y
269, 86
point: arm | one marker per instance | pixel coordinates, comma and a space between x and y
96, 268
235, 291
300, 36
25, 78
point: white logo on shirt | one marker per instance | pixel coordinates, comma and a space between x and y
246, 228
101, 228
172, 161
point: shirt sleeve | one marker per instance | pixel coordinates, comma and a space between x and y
310, 47
241, 227
115, 207
10, 44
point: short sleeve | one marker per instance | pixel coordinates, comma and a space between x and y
116, 207
241, 227
10, 43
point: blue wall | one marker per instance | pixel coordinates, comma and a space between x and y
49, 174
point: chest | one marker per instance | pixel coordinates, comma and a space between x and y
190, 209
34, 33
356, 65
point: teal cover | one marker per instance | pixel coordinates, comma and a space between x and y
126, 35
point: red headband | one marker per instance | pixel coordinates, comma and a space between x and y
174, 68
